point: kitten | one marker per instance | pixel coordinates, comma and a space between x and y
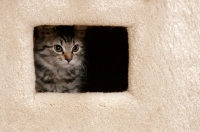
59, 54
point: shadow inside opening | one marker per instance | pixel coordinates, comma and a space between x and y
107, 56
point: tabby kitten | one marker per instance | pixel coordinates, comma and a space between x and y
59, 58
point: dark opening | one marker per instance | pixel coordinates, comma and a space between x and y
107, 56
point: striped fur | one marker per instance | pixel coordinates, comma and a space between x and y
55, 72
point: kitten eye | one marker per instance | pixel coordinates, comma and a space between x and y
75, 48
58, 48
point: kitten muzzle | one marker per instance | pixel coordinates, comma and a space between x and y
68, 56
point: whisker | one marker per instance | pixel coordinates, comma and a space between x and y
85, 71
39, 66
86, 62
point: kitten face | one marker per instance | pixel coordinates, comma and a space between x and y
59, 53
63, 50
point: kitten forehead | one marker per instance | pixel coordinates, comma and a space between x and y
73, 42
68, 38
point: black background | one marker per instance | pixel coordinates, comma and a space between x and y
107, 57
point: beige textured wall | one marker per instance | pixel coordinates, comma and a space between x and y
164, 74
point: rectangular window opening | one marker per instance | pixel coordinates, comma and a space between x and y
95, 58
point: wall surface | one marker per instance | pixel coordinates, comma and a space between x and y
164, 60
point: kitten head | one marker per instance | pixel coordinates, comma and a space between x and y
59, 46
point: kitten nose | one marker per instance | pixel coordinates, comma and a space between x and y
68, 56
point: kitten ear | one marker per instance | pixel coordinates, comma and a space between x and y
44, 31
80, 31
